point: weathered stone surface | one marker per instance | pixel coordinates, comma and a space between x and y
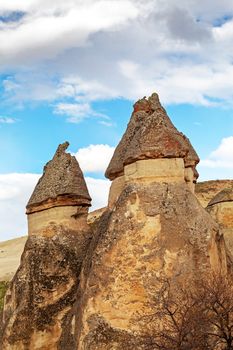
221, 209
116, 188
153, 231
150, 134
61, 184
38, 312
225, 195
65, 216
11, 251
205, 191
95, 215
38, 308
83, 285
155, 170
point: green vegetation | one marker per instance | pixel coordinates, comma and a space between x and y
3, 288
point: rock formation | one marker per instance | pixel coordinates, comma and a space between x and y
221, 209
39, 302
207, 190
150, 138
69, 294
154, 229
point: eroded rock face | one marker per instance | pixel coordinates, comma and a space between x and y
150, 135
83, 286
207, 190
38, 312
221, 209
62, 184
38, 305
154, 231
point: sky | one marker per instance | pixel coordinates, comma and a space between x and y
71, 71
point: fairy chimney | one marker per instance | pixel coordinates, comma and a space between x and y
60, 194
221, 209
151, 147
156, 230
38, 311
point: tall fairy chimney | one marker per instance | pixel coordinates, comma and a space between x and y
151, 148
156, 230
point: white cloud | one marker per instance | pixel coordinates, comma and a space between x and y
98, 190
100, 49
77, 112
15, 191
224, 151
7, 120
222, 157
94, 158
48, 28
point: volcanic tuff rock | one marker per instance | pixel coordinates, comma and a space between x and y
38, 308
62, 183
155, 229
153, 232
226, 195
150, 134
39, 303
207, 190
85, 296
221, 209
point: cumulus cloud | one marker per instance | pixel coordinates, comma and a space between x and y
100, 49
70, 25
94, 158
222, 157
98, 189
15, 190
179, 18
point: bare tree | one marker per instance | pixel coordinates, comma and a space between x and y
217, 299
191, 316
176, 322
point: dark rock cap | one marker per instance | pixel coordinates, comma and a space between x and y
62, 184
150, 134
225, 195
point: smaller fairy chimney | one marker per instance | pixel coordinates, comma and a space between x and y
221, 209
60, 196
38, 311
151, 150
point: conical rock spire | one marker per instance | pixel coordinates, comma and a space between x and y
62, 183
150, 134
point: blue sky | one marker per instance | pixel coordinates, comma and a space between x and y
72, 70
